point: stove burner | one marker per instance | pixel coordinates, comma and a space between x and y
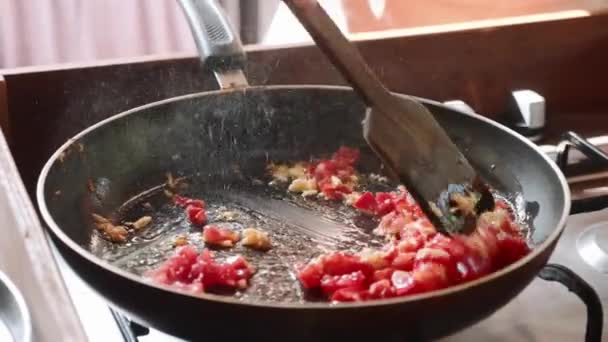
592, 245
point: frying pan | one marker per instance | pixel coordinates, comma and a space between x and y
220, 142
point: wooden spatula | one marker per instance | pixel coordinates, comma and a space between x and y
404, 134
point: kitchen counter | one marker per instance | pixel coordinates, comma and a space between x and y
26, 258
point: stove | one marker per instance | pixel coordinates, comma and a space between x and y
544, 311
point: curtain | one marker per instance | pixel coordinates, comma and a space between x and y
34, 32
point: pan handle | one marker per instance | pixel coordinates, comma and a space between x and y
219, 46
576, 284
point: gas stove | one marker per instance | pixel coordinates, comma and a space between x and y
544, 311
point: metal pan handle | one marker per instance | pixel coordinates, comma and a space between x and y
219, 46
576, 284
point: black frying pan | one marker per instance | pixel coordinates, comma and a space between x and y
221, 141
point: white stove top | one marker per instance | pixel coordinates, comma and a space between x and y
544, 311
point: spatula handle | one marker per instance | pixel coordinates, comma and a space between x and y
342, 53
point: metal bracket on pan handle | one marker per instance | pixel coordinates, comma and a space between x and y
219, 47
571, 139
130, 330
576, 284
460, 105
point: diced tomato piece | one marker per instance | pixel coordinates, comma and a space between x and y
188, 270
330, 284
310, 275
185, 202
234, 273
489, 236
419, 228
385, 203
349, 295
392, 223
404, 261
216, 236
509, 226
433, 255
430, 276
177, 268
473, 266
382, 274
324, 170
417, 259
381, 289
512, 248
411, 243
341, 263
335, 192
403, 282
366, 203
196, 215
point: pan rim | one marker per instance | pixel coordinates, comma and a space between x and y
82, 252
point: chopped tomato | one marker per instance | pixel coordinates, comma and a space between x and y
383, 274
403, 282
191, 270
342, 263
334, 177
195, 209
385, 203
330, 284
512, 248
335, 192
404, 261
349, 295
185, 202
429, 276
216, 236
178, 267
310, 275
233, 273
381, 289
196, 215
366, 203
